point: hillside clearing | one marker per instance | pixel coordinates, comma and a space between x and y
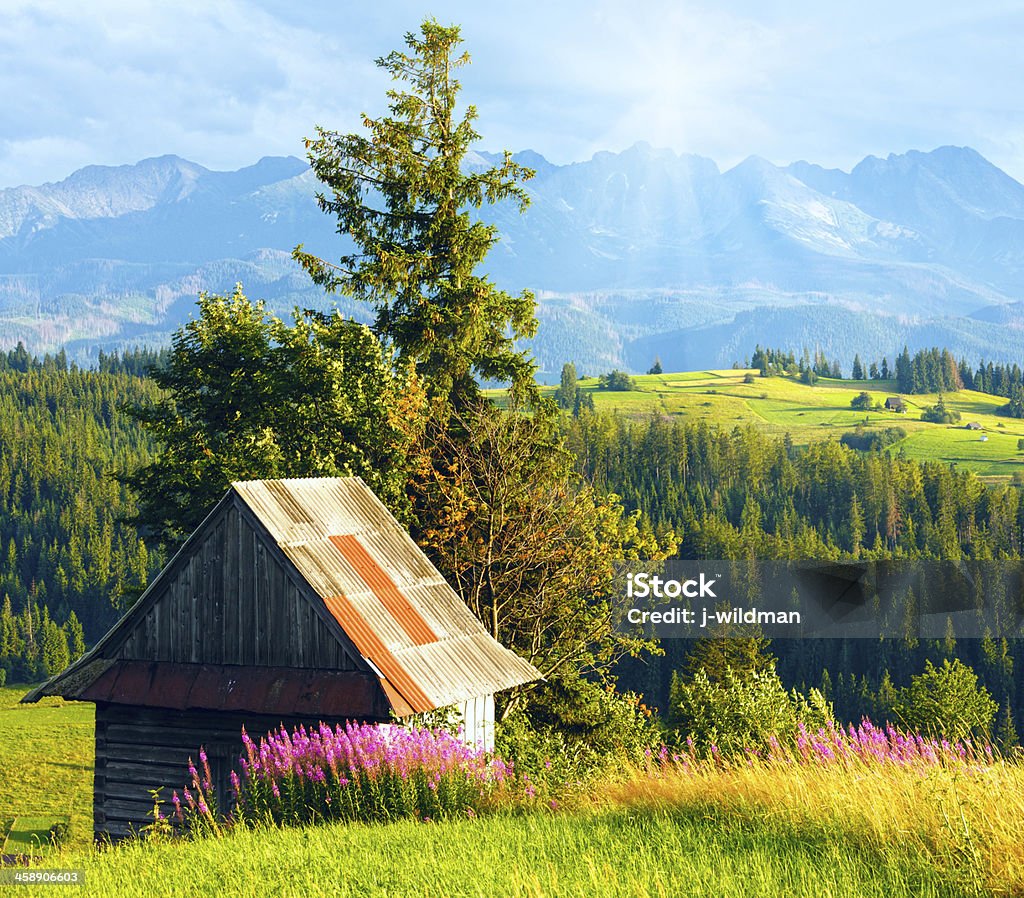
780, 405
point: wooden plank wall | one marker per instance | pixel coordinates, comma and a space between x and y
232, 602
139, 749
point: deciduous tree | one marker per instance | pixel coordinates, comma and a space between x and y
249, 396
528, 545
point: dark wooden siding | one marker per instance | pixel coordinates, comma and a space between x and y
141, 749
232, 600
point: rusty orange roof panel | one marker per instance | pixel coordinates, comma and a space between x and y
383, 591
369, 643
383, 587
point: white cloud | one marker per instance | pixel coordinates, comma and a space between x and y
225, 83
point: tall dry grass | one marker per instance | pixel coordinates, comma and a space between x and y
965, 815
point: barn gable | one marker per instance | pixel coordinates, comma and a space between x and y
402, 615
229, 598
223, 598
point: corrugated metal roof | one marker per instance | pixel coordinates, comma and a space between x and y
402, 615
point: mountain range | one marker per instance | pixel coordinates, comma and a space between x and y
632, 255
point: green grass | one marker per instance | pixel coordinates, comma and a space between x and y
728, 833
46, 760
29, 835
779, 405
626, 852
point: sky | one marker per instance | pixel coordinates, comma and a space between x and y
225, 82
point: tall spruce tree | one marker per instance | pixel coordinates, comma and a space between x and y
565, 395
525, 541
403, 194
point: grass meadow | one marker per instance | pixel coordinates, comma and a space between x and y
742, 830
779, 405
46, 758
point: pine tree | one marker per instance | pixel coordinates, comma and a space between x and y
402, 194
1006, 733
54, 651
855, 527
714, 656
8, 631
885, 699
75, 636
565, 395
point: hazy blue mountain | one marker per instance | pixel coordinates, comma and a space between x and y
631, 254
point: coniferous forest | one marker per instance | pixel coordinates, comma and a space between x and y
739, 493
927, 371
70, 562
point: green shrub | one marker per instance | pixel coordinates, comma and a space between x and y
616, 380
59, 833
872, 440
746, 710
572, 731
862, 401
939, 414
946, 702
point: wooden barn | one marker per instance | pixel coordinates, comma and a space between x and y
295, 601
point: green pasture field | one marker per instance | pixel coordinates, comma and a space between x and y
615, 852
779, 405
46, 761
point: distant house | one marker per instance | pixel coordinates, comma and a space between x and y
895, 404
974, 425
294, 602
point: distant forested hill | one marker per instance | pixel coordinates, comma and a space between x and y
66, 554
736, 493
